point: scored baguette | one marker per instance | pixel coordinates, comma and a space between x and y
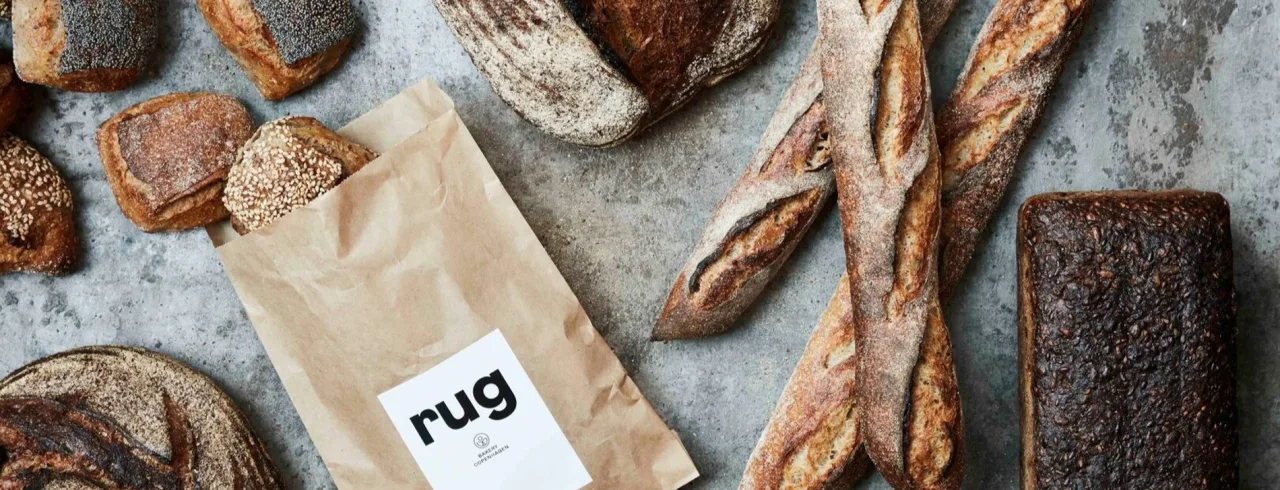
887, 168
768, 211
984, 125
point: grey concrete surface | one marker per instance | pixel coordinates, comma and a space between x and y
1160, 94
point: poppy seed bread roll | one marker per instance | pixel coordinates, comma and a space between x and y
83, 46
283, 45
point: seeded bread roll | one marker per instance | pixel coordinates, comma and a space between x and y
6, 9
11, 92
167, 158
284, 45
596, 72
82, 46
887, 168
1127, 328
113, 417
37, 226
284, 166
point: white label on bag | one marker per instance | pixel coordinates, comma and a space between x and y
476, 421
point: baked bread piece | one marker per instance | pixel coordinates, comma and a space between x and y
6, 9
887, 174
1127, 325
113, 417
995, 106
813, 439
12, 92
167, 158
284, 45
82, 46
769, 210
37, 226
596, 72
285, 165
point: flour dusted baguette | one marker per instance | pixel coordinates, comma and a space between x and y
767, 213
813, 440
996, 104
888, 175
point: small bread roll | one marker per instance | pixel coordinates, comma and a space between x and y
284, 45
167, 158
11, 91
115, 417
98, 46
5, 9
287, 164
37, 228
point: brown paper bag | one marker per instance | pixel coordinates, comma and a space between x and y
408, 262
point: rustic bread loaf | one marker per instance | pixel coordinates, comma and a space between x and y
167, 158
769, 210
284, 45
996, 104
36, 220
1127, 325
6, 9
595, 73
813, 440
12, 92
285, 165
99, 46
887, 174
113, 417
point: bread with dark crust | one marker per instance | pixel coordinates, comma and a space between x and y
12, 92
767, 213
37, 221
888, 178
167, 158
984, 125
1127, 327
283, 45
99, 46
595, 72
114, 417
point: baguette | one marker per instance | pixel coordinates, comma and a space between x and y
769, 210
984, 125
888, 177
1126, 334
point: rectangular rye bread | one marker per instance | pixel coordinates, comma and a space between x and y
1127, 326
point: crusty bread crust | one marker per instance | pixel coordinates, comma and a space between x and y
39, 40
37, 221
210, 130
768, 212
985, 124
115, 417
11, 93
242, 32
813, 440
887, 172
545, 64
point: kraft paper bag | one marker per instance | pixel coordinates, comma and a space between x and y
418, 257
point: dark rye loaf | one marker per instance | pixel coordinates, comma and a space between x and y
1127, 336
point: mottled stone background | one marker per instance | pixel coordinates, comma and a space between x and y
1160, 94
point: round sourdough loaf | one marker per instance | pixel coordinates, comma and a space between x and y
114, 417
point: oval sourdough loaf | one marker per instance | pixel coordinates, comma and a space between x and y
595, 72
113, 417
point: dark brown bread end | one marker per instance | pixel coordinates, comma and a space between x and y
1127, 341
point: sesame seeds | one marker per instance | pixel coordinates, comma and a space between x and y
111, 34
29, 185
276, 173
305, 28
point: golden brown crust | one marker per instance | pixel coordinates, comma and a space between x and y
167, 158
244, 34
887, 172
40, 43
985, 124
37, 222
12, 92
813, 439
113, 417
